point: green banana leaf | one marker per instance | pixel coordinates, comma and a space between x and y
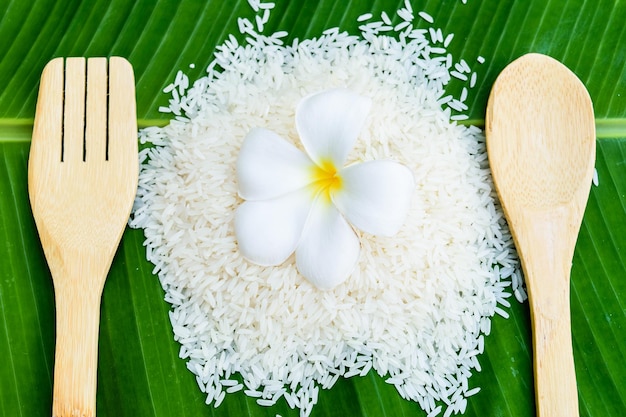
140, 373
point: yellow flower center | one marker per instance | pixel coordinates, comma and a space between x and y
326, 180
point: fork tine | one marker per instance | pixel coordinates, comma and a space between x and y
48, 124
96, 114
122, 111
74, 111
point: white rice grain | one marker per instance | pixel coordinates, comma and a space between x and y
448, 39
426, 17
385, 17
269, 326
459, 75
473, 80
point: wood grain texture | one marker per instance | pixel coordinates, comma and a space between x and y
81, 201
541, 147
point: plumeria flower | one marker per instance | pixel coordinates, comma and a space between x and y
309, 202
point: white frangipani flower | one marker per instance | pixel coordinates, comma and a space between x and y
308, 203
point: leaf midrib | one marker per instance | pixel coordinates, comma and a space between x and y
20, 130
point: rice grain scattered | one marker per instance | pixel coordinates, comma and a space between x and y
418, 305
428, 18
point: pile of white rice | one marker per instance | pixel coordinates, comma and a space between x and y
418, 305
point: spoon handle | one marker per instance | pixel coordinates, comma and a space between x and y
555, 377
548, 253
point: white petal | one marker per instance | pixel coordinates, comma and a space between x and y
375, 196
329, 122
268, 166
329, 249
268, 231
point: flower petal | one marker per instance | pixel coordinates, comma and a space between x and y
329, 249
268, 166
268, 231
375, 196
329, 122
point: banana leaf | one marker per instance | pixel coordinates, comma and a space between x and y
140, 373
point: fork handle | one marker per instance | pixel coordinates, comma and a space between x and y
76, 352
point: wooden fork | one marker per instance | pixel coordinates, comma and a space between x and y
82, 180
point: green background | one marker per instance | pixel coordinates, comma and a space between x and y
139, 370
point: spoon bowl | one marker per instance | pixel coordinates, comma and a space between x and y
540, 133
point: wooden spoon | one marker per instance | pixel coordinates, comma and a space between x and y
82, 180
541, 145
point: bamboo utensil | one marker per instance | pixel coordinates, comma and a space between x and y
82, 179
541, 145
